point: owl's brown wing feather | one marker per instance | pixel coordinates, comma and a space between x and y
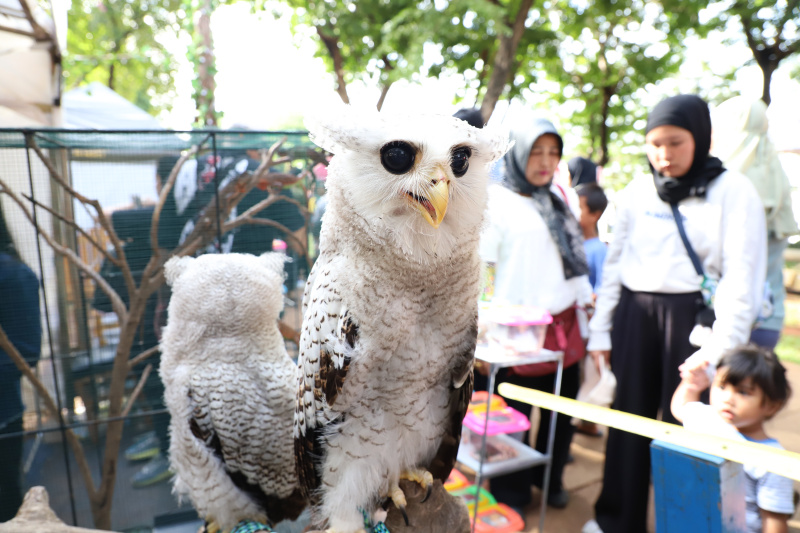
201, 424
329, 333
462, 380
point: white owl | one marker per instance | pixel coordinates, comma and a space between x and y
390, 308
230, 389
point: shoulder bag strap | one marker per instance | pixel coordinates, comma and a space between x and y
698, 266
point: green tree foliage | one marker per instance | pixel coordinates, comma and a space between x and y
367, 40
116, 42
770, 28
490, 43
609, 52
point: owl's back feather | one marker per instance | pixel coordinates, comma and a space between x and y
229, 389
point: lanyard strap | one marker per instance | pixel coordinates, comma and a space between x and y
698, 266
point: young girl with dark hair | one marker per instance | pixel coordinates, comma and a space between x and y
749, 388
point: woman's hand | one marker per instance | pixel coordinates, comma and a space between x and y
600, 355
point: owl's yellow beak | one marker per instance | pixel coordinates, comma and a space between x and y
433, 204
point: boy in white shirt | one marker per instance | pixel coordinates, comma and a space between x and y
749, 388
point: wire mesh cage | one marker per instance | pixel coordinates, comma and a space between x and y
87, 220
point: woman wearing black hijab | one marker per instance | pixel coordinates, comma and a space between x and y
650, 294
581, 171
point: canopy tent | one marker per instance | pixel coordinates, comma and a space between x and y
96, 107
30, 62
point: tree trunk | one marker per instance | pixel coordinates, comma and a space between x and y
104, 496
503, 60
111, 75
384, 90
767, 68
608, 92
206, 68
332, 44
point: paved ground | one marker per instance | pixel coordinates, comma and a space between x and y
584, 476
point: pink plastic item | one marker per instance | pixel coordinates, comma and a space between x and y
506, 420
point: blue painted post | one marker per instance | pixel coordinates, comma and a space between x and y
695, 491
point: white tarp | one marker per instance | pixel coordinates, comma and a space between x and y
96, 107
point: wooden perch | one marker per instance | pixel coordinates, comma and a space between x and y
441, 512
36, 516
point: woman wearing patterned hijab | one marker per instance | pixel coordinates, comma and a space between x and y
535, 245
740, 140
650, 293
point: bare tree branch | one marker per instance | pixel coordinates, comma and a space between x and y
50, 405
73, 225
137, 390
267, 222
116, 302
133, 361
162, 198
101, 216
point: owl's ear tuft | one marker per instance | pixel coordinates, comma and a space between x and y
175, 267
341, 127
274, 261
495, 142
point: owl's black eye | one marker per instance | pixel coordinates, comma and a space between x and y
459, 162
398, 157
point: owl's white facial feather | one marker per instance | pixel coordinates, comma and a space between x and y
404, 208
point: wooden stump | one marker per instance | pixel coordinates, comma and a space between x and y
441, 512
35, 516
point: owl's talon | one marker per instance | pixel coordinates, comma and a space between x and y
427, 494
405, 515
399, 499
421, 476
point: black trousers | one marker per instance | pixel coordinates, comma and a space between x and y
514, 489
10, 470
649, 341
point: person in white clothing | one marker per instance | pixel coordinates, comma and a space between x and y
749, 388
650, 295
740, 140
535, 245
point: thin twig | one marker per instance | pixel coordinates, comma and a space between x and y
116, 302
162, 197
264, 222
136, 391
101, 216
75, 226
142, 356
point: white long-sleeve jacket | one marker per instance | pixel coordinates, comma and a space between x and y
727, 230
529, 266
